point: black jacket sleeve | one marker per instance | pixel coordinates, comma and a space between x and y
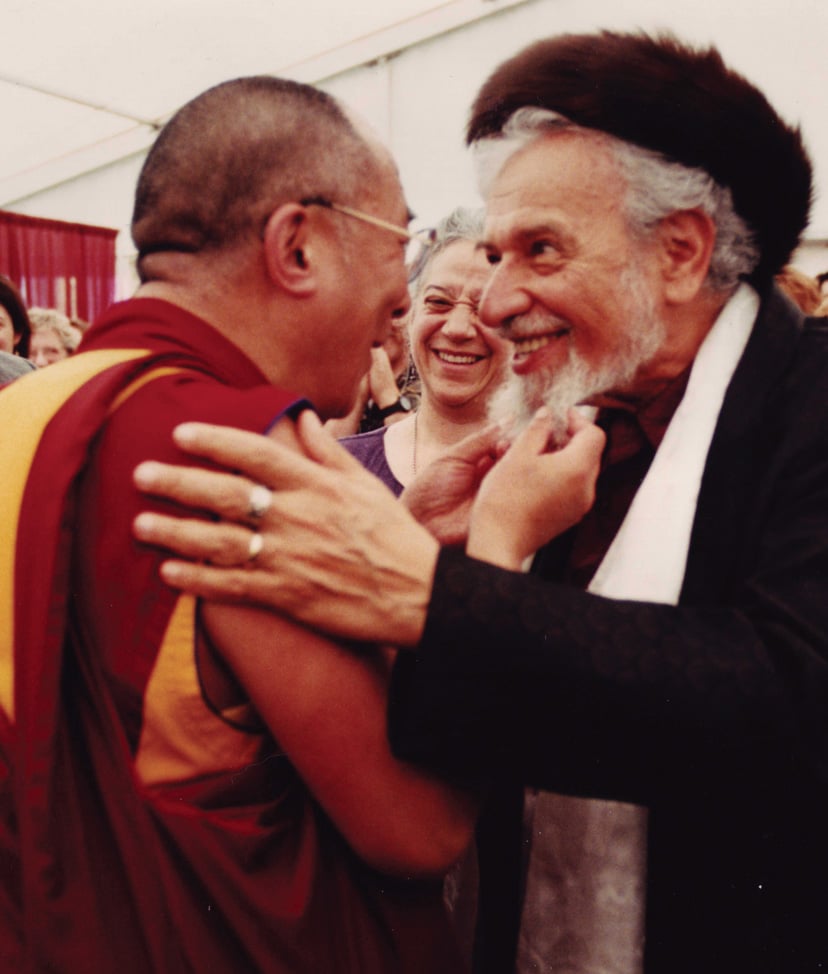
627, 700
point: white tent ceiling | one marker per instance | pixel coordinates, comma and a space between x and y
83, 82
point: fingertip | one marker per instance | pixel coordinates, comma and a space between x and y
142, 525
581, 418
185, 434
145, 474
171, 572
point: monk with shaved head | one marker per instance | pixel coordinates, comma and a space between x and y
190, 786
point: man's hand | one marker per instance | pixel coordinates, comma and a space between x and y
532, 495
441, 496
338, 551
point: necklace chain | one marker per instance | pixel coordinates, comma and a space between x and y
414, 449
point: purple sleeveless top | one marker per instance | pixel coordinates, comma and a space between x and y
369, 449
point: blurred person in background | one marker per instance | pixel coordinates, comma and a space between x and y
800, 287
15, 328
12, 367
54, 337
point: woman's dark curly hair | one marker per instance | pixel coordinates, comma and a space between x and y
12, 301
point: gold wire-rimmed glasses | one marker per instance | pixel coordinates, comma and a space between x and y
418, 242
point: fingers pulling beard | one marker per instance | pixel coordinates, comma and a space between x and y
517, 400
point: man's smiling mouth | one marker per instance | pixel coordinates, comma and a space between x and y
526, 346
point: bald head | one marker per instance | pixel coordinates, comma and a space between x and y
228, 158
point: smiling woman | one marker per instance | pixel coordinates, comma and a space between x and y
460, 362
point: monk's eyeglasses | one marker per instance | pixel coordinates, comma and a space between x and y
418, 243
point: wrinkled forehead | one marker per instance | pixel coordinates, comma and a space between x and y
490, 157
46, 336
562, 174
460, 265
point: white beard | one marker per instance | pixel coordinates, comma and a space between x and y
577, 381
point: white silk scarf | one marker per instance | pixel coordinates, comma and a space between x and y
648, 556
585, 885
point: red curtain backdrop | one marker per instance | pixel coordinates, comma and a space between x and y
68, 266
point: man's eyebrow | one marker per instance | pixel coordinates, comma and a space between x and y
522, 235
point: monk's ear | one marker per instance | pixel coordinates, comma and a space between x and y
290, 251
686, 243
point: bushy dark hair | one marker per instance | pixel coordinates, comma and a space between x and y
12, 301
681, 102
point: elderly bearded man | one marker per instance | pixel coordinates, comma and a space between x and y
640, 198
